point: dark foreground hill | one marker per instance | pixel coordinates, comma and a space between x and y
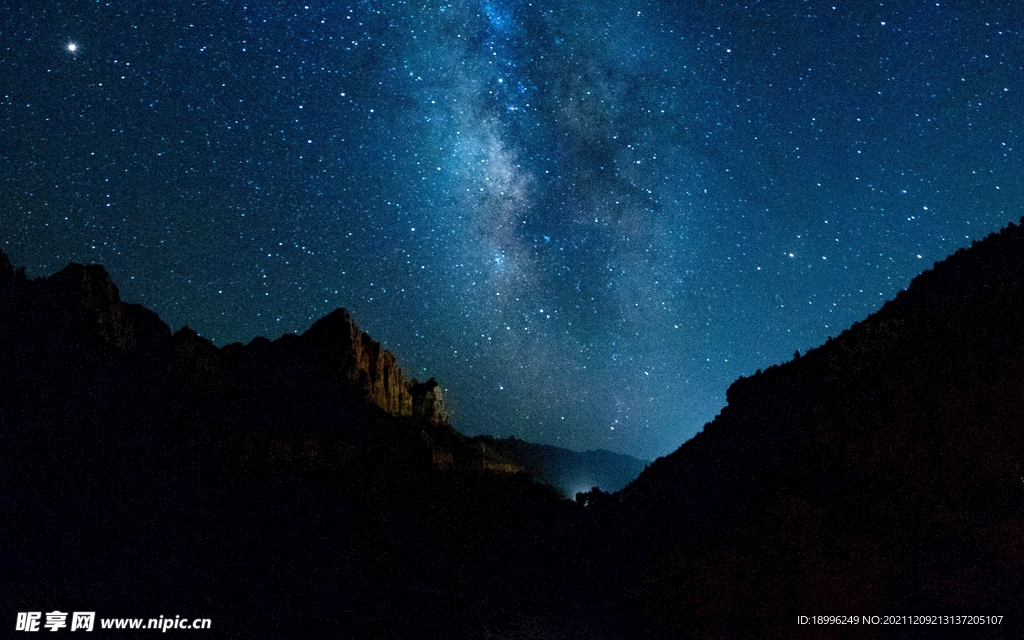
882, 473
564, 469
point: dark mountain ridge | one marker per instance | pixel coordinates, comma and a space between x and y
568, 471
81, 303
303, 486
300, 486
880, 472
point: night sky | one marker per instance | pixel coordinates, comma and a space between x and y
585, 219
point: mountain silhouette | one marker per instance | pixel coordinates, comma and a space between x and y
881, 473
305, 487
568, 471
295, 487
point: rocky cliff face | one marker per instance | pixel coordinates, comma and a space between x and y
82, 301
93, 300
354, 358
427, 402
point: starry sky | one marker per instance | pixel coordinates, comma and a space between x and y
584, 218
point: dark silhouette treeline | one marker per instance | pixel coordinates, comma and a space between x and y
303, 487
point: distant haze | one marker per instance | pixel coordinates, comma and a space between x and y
570, 472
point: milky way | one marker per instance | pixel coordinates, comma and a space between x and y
585, 219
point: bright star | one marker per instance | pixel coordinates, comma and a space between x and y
72, 47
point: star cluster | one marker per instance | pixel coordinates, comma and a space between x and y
584, 218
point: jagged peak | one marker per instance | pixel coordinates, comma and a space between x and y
426, 386
92, 280
186, 333
337, 322
334, 344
